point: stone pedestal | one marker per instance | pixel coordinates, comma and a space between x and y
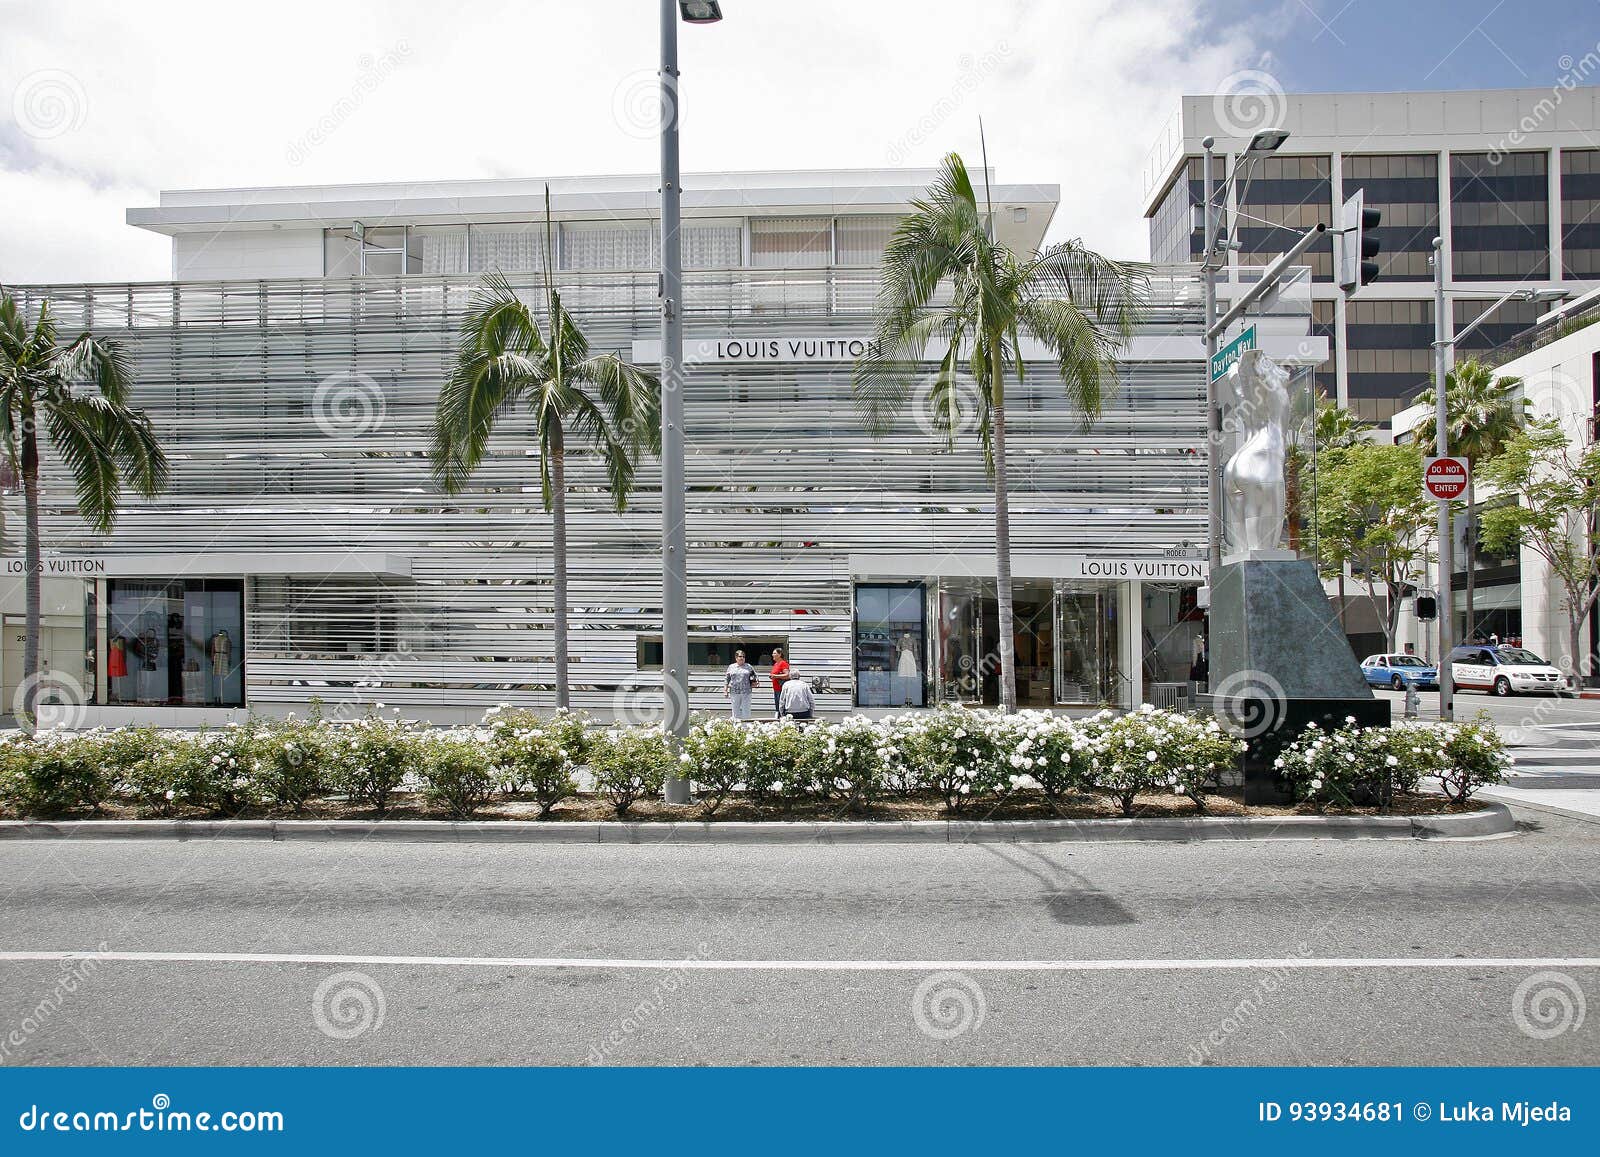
1279, 660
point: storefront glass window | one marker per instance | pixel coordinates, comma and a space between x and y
177, 643
890, 645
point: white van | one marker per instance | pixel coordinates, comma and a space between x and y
1503, 670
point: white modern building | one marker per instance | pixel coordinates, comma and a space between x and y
1510, 179
292, 364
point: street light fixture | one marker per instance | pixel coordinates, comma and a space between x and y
674, 545
1268, 140
700, 11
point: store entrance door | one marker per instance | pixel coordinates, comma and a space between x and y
969, 642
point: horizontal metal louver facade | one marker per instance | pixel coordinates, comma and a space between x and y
297, 414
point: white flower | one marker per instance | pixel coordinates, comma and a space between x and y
1151, 757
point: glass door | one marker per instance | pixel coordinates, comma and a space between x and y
1086, 668
960, 642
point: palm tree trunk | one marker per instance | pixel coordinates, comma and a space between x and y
1469, 556
558, 549
1002, 537
30, 503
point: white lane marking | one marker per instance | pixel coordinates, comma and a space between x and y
697, 965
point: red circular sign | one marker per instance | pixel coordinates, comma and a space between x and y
1445, 478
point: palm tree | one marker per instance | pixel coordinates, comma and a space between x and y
1482, 413
77, 395
1080, 306
505, 359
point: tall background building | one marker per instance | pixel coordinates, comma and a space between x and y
1510, 179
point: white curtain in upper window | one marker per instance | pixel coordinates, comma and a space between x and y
791, 242
509, 248
609, 245
862, 239
443, 250
712, 244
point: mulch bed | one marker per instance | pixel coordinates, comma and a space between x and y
1017, 806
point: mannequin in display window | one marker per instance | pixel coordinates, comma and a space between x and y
220, 650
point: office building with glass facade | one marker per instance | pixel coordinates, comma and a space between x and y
303, 550
1510, 179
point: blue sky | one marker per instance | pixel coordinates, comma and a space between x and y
1386, 45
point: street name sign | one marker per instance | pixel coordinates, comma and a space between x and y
1230, 353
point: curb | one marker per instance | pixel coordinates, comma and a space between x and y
1549, 809
1492, 820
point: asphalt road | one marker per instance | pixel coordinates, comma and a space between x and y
1146, 909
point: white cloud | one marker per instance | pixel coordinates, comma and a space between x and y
196, 95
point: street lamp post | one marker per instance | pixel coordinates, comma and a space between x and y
1445, 604
674, 570
1442, 346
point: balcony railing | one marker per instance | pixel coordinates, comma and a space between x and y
415, 298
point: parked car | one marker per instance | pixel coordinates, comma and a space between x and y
1505, 670
1400, 671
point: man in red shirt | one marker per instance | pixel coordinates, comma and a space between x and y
780, 672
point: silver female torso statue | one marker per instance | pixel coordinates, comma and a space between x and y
1255, 494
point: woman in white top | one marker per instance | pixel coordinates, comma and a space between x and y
738, 683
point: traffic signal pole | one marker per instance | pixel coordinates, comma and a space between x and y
1441, 448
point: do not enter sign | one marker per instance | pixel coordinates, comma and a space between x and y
1444, 479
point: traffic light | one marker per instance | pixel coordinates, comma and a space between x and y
1427, 608
1357, 245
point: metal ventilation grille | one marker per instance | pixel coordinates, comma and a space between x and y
296, 414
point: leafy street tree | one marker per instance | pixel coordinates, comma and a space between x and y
1332, 426
1555, 482
1482, 413
949, 286
76, 395
1372, 516
508, 357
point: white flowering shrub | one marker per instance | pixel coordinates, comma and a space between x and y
843, 762
1150, 751
48, 773
716, 756
290, 759
960, 753
538, 754
1057, 753
774, 767
1354, 765
630, 763
1474, 755
457, 775
371, 759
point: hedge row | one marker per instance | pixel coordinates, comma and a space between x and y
961, 756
